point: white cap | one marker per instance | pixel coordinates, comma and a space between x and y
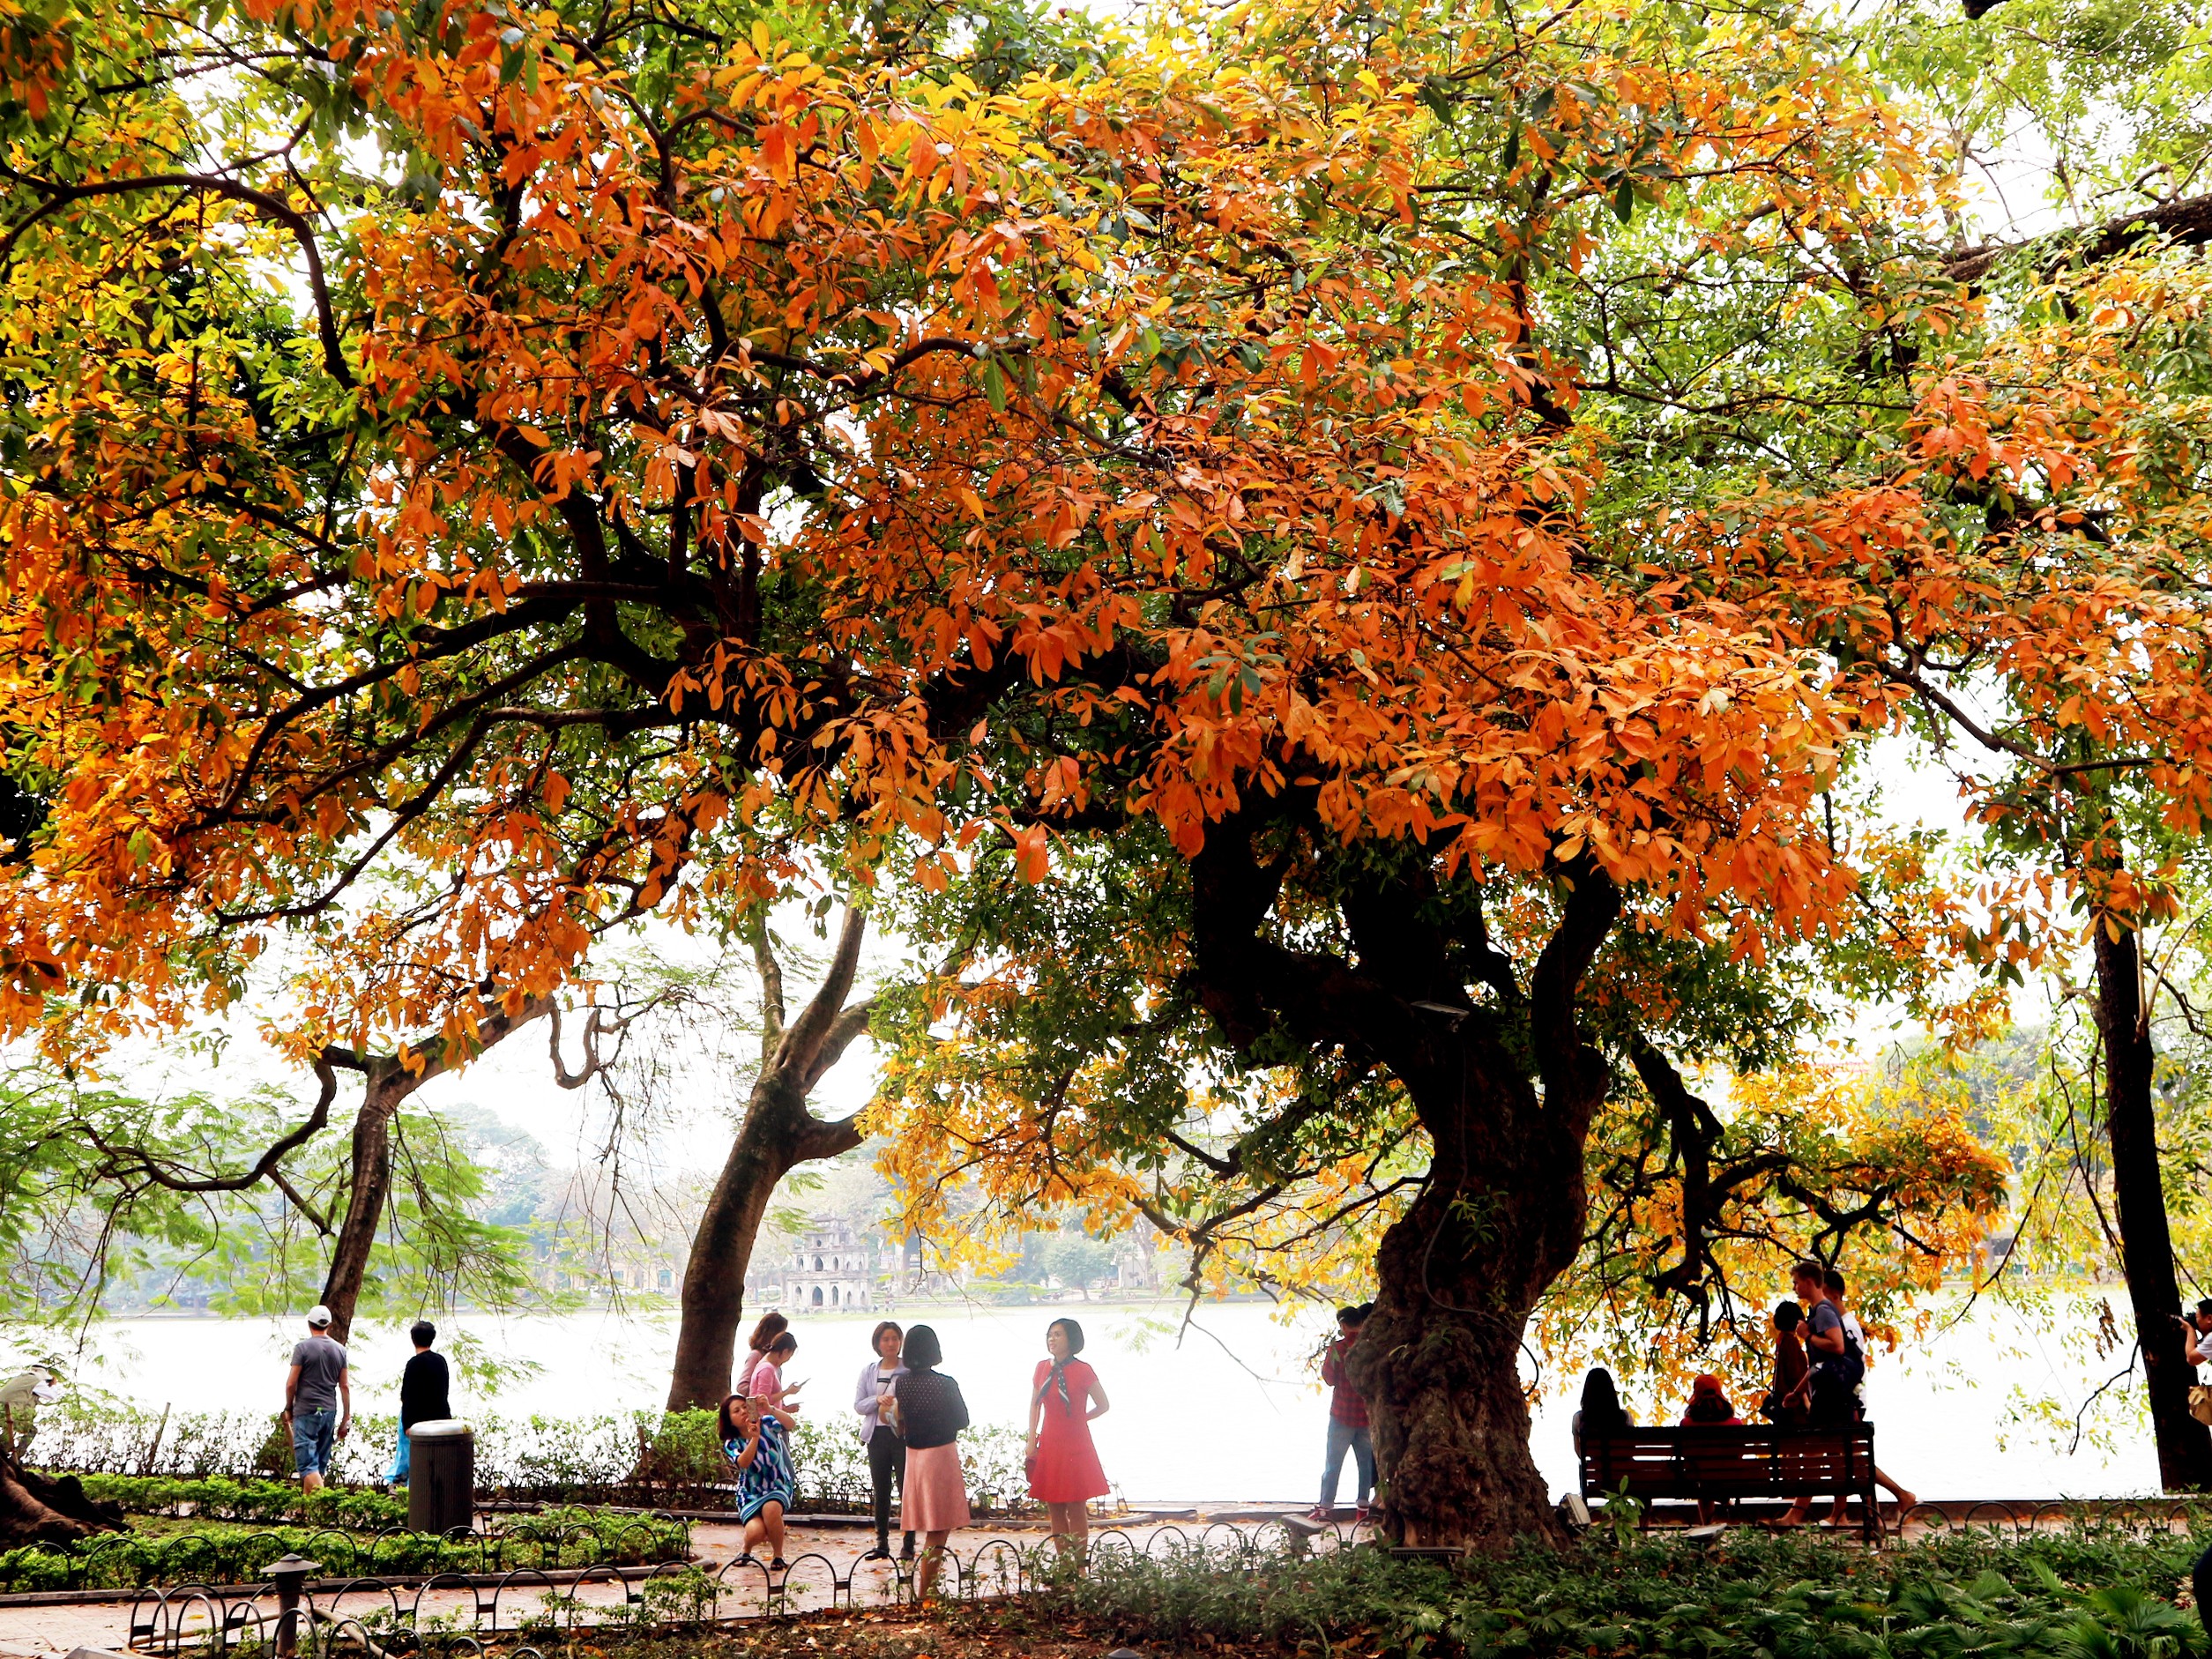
318, 1316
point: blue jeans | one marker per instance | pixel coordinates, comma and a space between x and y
398, 1475
313, 1434
1355, 1438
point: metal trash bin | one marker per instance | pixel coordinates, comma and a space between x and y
441, 1475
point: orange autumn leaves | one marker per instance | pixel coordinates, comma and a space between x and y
829, 429
786, 452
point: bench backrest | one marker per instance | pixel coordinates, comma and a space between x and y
1729, 1462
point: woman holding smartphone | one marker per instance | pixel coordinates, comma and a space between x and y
754, 1439
765, 1380
876, 1401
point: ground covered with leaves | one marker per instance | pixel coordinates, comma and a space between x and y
2076, 1594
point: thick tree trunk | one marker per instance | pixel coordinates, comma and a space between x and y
2184, 1445
1502, 1213
1459, 1275
1441, 1378
779, 1133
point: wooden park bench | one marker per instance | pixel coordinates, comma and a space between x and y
1717, 1465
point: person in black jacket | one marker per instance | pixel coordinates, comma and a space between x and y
424, 1393
931, 1414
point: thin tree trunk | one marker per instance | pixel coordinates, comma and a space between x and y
2184, 1445
713, 1300
390, 1083
778, 1134
369, 1190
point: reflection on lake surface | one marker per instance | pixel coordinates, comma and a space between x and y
1231, 1412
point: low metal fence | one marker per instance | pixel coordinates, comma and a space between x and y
2129, 1518
456, 1613
130, 1560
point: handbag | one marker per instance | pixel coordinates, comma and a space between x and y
2200, 1403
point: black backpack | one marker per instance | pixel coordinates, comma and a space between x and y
1843, 1372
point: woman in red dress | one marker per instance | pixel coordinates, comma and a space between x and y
1064, 1472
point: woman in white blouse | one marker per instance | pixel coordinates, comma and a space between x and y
876, 1402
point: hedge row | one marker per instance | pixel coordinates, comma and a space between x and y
233, 1464
222, 1554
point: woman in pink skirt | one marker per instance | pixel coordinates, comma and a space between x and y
934, 1499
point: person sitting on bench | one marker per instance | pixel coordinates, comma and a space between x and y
1601, 1413
1708, 1406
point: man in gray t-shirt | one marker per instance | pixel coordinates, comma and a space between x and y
315, 1390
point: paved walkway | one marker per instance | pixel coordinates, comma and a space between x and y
819, 1558
826, 1570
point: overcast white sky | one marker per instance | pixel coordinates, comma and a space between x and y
515, 1082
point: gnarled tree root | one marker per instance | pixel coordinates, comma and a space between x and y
37, 1508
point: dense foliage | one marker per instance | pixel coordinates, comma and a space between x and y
2085, 1593
1337, 568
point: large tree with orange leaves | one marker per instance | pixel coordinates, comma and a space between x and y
1457, 796
407, 441
2030, 574
676, 441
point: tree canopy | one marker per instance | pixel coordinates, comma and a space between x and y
1335, 569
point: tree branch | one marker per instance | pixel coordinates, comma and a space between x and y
771, 986
273, 207
2188, 222
802, 1054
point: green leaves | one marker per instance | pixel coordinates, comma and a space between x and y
1436, 93
1618, 1595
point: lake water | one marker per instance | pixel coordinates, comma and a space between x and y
1229, 1412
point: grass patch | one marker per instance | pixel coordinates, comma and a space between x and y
2083, 1594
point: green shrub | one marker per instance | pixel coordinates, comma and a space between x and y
2082, 1593
228, 1553
218, 1497
226, 1466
